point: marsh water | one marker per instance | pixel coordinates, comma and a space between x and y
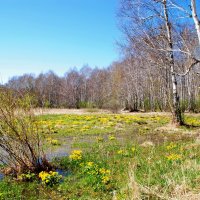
70, 143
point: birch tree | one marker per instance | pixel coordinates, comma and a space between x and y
152, 28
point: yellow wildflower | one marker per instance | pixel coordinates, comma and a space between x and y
76, 155
120, 151
111, 137
102, 170
43, 175
50, 178
100, 139
133, 149
171, 146
173, 157
55, 142
90, 164
105, 179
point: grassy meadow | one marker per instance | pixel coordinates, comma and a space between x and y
113, 157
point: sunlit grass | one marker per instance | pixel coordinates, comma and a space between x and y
93, 124
121, 150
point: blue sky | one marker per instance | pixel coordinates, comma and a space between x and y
41, 35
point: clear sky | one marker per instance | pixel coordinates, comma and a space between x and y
41, 35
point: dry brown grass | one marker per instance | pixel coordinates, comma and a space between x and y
57, 111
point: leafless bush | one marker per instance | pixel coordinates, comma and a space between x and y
20, 141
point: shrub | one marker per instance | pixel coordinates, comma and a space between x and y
20, 141
27, 177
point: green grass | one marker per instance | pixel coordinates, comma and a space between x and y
192, 121
72, 125
116, 158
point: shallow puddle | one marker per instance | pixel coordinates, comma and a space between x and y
1, 176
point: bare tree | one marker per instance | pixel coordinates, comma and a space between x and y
20, 141
152, 32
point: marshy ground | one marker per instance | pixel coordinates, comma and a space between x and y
115, 156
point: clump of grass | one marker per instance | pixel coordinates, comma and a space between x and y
163, 168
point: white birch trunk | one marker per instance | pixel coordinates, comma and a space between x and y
177, 115
195, 18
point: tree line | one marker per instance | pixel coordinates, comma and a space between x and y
130, 84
